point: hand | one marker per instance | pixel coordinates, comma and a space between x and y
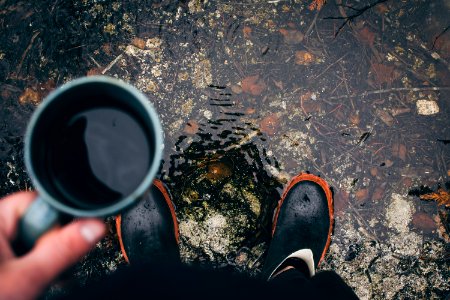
27, 276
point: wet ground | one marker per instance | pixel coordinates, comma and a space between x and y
251, 93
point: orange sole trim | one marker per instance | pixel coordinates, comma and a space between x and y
160, 186
324, 185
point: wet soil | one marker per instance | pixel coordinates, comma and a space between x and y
251, 93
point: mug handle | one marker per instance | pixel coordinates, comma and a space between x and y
38, 219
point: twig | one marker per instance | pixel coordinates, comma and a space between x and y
19, 67
329, 66
376, 92
308, 31
439, 36
347, 19
112, 63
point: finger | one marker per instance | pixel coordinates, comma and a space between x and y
12, 208
6, 252
59, 249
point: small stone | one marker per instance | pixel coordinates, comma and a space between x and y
236, 89
207, 114
427, 107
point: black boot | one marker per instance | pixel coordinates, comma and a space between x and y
302, 227
148, 232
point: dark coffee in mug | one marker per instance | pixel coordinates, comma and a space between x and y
95, 153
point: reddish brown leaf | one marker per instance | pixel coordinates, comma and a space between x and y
399, 150
253, 85
378, 193
362, 195
366, 36
94, 71
424, 222
139, 43
384, 74
292, 36
341, 201
191, 127
270, 124
247, 32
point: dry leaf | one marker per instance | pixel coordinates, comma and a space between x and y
292, 36
94, 71
399, 150
304, 58
270, 124
378, 193
139, 43
366, 36
191, 127
362, 195
385, 117
316, 5
30, 96
384, 74
247, 32
442, 197
424, 222
253, 85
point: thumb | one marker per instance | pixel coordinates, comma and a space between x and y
58, 250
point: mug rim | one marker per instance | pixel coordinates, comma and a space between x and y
148, 178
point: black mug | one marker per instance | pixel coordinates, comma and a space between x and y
92, 149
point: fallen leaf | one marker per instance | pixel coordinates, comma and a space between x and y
303, 57
270, 124
382, 8
424, 222
139, 43
292, 36
399, 150
253, 85
94, 71
399, 111
385, 117
374, 171
355, 119
366, 36
384, 74
341, 201
30, 96
442, 197
378, 193
107, 48
247, 32
191, 127
316, 4
362, 195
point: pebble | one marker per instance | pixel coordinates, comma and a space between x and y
427, 107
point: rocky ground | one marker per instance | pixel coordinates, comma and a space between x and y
251, 93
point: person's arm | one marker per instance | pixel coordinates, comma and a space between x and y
27, 276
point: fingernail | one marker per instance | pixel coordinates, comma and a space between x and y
92, 231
